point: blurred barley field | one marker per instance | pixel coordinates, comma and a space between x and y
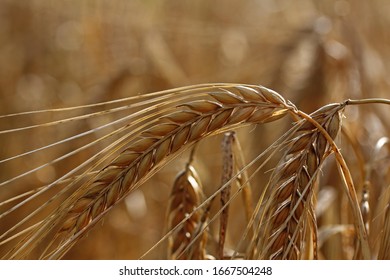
58, 54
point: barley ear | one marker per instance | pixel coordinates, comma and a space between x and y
223, 108
186, 196
290, 208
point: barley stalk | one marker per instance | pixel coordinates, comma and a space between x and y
227, 174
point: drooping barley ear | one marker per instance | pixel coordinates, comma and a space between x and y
186, 196
227, 173
224, 108
290, 208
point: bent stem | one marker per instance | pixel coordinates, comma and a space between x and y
367, 101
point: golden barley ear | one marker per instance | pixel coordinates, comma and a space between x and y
152, 145
289, 213
185, 219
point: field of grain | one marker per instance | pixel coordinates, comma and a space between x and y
251, 129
